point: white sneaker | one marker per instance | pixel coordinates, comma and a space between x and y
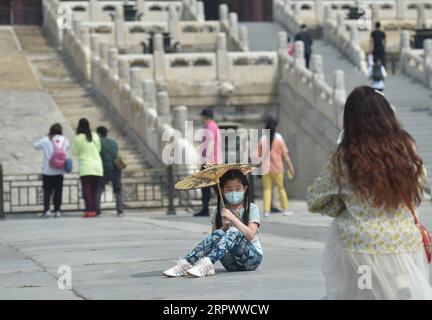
179, 270
58, 214
45, 215
203, 267
266, 214
288, 213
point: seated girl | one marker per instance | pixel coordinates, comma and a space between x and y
234, 238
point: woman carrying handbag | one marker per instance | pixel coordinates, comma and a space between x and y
375, 249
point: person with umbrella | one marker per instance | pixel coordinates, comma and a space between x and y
234, 238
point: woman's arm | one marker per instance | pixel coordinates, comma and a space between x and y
324, 196
249, 231
38, 144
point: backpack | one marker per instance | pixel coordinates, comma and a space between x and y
377, 74
58, 158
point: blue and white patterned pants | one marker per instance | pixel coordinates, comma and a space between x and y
231, 248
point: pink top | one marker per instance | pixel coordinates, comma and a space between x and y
273, 162
215, 141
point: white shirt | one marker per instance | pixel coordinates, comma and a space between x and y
377, 84
46, 145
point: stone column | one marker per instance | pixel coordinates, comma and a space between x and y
339, 85
159, 57
93, 8
354, 34
421, 17
94, 43
340, 23
317, 67
299, 58
103, 51
173, 21
141, 8
112, 60
326, 20
163, 107
405, 46
405, 39
223, 13
179, 118
233, 21
149, 93
319, 11
119, 27
123, 70
135, 81
375, 13
200, 13
243, 37
427, 58
282, 42
222, 57
401, 9
85, 36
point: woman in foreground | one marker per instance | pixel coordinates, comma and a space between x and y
373, 250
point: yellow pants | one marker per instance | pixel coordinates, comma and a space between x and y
278, 179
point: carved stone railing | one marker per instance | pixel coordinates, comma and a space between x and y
335, 33
416, 63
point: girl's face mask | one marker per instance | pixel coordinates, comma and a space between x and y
234, 197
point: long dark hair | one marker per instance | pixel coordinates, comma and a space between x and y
232, 175
379, 157
84, 127
271, 125
55, 129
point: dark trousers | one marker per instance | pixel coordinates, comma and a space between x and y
115, 177
381, 56
307, 58
89, 189
52, 185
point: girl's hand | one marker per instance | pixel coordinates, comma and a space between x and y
227, 215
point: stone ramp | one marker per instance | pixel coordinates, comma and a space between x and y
15, 71
71, 95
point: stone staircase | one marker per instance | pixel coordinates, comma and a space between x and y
412, 100
71, 94
262, 36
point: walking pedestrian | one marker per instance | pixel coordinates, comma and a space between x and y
304, 36
370, 182
274, 166
109, 152
234, 239
86, 146
211, 153
54, 147
377, 74
377, 44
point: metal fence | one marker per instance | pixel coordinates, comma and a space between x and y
149, 188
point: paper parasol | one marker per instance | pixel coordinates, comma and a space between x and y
210, 176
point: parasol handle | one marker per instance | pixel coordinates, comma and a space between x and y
220, 195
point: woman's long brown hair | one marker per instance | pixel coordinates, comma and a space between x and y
377, 156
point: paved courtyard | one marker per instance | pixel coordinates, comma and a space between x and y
122, 258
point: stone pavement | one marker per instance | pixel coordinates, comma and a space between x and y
122, 258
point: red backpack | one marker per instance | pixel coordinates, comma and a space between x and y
58, 158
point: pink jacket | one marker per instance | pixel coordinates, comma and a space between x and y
273, 161
214, 143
